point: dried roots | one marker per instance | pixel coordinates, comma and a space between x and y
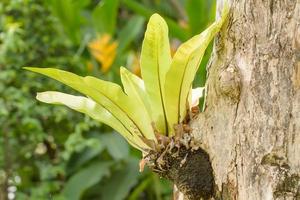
182, 161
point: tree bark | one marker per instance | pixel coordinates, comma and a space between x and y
251, 123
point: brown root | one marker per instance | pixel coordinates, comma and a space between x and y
182, 161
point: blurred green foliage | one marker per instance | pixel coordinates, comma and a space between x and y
50, 152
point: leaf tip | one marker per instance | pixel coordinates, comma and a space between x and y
156, 18
28, 68
122, 70
42, 96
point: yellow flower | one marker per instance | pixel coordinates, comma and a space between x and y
104, 51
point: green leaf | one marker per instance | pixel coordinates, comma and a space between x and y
198, 14
155, 62
86, 178
92, 109
138, 190
129, 33
125, 103
108, 95
135, 89
69, 13
183, 70
105, 16
78, 159
121, 182
115, 145
145, 11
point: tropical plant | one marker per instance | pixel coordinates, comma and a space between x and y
149, 110
149, 106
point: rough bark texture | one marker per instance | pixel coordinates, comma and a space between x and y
251, 124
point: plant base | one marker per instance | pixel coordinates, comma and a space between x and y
182, 161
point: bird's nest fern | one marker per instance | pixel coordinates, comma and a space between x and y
151, 113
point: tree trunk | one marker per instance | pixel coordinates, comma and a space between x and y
251, 123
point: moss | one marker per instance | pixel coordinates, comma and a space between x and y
290, 185
274, 160
182, 161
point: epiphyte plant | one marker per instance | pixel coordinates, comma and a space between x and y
151, 113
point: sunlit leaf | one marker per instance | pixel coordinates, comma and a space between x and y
182, 72
155, 62
90, 108
127, 104
106, 94
135, 89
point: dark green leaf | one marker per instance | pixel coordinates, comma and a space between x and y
86, 178
116, 146
199, 14
141, 9
121, 182
105, 16
129, 32
79, 159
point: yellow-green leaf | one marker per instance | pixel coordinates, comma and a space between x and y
183, 70
155, 62
127, 104
106, 94
135, 89
91, 108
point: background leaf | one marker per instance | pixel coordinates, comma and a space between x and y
175, 29
198, 14
130, 32
86, 178
105, 16
69, 12
121, 181
77, 160
116, 145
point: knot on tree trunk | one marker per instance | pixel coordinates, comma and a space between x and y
182, 161
230, 83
